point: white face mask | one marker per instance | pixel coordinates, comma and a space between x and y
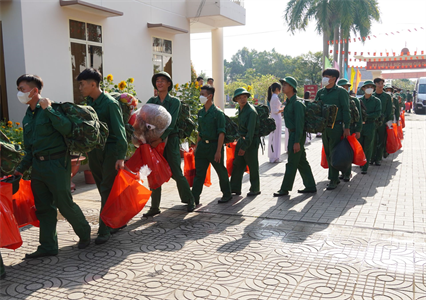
369, 91
23, 97
389, 93
325, 81
203, 99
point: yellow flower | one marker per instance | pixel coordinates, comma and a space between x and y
17, 123
16, 130
122, 85
22, 153
110, 77
192, 84
19, 143
186, 85
131, 80
196, 84
11, 142
176, 86
3, 127
249, 88
20, 129
9, 125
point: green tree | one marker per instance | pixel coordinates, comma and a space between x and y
405, 84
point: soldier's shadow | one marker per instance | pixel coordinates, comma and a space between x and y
143, 242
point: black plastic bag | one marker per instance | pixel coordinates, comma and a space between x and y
342, 156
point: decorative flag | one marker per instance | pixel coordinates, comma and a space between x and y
352, 76
336, 65
346, 71
358, 80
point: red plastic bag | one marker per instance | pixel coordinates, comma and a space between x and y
127, 198
400, 133
359, 155
324, 162
392, 141
189, 169
230, 156
154, 159
403, 116
23, 205
208, 180
10, 237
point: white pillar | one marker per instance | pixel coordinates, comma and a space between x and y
217, 67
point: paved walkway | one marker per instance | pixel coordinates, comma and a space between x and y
364, 240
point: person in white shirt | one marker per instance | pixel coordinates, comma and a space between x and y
274, 141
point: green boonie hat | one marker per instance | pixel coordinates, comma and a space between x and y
240, 91
367, 83
164, 74
343, 82
291, 81
388, 86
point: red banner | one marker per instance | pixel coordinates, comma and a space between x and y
420, 63
312, 88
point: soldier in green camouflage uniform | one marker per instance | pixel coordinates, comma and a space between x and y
373, 109
104, 163
294, 117
47, 153
163, 83
246, 151
387, 117
211, 134
355, 127
334, 94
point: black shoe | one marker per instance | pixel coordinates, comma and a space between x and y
102, 239
346, 179
236, 193
115, 230
385, 154
190, 208
307, 191
332, 185
281, 193
251, 194
151, 213
184, 201
38, 254
363, 172
224, 199
197, 202
378, 163
341, 177
83, 244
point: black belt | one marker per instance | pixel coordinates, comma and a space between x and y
50, 156
291, 130
209, 141
338, 122
173, 135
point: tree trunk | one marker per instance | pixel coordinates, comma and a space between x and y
341, 55
324, 47
336, 45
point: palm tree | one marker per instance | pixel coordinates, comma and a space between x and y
334, 19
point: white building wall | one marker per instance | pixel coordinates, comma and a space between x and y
14, 58
38, 43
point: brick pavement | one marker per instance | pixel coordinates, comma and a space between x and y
364, 240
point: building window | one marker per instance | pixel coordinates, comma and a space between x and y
86, 51
162, 55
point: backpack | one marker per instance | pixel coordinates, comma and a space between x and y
11, 155
319, 116
126, 117
231, 130
266, 124
185, 122
88, 132
354, 112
